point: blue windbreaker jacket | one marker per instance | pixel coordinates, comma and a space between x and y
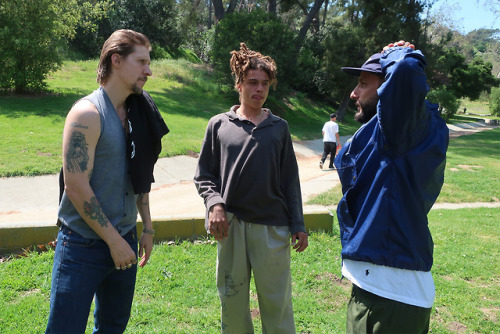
392, 171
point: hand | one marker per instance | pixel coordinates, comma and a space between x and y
122, 254
145, 248
400, 43
301, 244
217, 222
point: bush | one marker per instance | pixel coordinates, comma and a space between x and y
30, 35
495, 101
448, 103
262, 32
158, 52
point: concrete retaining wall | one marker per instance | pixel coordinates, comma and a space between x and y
13, 239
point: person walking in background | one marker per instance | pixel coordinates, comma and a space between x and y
248, 177
331, 140
96, 252
391, 173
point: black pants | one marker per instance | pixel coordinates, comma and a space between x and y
329, 147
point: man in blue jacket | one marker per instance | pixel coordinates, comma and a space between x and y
391, 171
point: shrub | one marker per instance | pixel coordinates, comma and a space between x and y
495, 101
262, 32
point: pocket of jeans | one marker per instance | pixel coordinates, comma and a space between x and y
73, 239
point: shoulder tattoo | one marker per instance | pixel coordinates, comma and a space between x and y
78, 125
77, 156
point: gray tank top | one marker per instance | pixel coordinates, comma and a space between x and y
110, 178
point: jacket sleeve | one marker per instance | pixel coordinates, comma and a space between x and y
290, 184
402, 111
207, 177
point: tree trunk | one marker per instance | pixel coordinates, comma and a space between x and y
271, 6
325, 12
232, 6
219, 8
343, 108
209, 14
303, 31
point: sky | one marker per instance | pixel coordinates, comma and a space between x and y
468, 15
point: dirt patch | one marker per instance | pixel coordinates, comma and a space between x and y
255, 313
343, 283
491, 313
192, 154
456, 327
470, 168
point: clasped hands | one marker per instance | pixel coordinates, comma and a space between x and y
400, 43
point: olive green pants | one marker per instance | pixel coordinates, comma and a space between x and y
369, 313
265, 251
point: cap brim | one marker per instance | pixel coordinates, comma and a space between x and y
357, 71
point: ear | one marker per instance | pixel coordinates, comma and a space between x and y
116, 59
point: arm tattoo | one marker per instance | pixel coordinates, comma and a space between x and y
77, 156
78, 125
143, 199
94, 211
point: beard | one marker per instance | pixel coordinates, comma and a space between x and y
367, 110
136, 89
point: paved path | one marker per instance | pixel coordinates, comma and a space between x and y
33, 201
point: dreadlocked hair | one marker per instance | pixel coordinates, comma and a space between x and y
244, 60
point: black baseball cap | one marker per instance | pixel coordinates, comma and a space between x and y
371, 65
333, 115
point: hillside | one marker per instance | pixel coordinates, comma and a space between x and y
31, 127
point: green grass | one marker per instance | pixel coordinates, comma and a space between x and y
186, 94
472, 171
176, 291
478, 107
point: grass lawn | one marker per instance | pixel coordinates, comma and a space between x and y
31, 127
176, 291
472, 171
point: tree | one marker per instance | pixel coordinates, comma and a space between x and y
219, 9
30, 36
157, 19
495, 101
461, 78
261, 31
448, 102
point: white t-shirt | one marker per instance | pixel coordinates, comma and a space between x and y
330, 129
405, 286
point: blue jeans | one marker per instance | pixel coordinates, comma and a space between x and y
83, 269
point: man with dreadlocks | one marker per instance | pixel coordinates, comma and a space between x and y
248, 177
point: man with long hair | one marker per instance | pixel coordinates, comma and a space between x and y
96, 252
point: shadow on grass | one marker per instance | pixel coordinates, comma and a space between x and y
481, 144
43, 105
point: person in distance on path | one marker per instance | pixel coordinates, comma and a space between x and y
331, 140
